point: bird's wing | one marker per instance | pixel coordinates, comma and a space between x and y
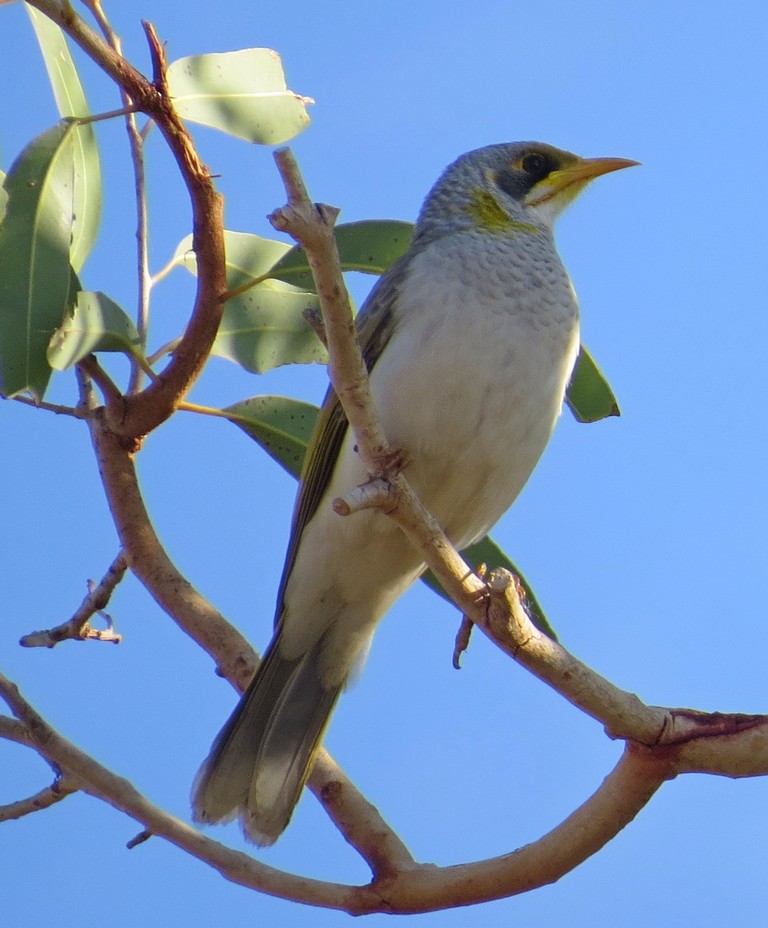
375, 326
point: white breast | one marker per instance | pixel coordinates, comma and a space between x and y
473, 381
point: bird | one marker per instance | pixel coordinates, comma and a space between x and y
470, 339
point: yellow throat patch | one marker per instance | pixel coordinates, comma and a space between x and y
487, 213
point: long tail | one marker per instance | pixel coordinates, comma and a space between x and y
260, 760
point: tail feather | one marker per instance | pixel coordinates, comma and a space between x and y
262, 757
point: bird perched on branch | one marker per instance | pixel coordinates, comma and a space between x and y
470, 339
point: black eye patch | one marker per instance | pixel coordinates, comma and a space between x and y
518, 179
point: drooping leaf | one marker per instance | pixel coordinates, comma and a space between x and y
70, 100
281, 425
369, 246
96, 323
247, 256
242, 93
487, 553
265, 327
34, 258
589, 396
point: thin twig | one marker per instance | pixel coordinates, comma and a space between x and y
49, 407
110, 391
136, 146
43, 799
78, 627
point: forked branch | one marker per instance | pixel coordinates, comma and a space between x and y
661, 743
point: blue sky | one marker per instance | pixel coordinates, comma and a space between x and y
644, 536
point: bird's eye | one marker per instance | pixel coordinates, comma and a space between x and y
535, 164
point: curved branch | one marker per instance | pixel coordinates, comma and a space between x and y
139, 413
405, 889
151, 564
616, 802
357, 819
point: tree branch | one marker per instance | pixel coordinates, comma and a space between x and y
673, 741
144, 411
136, 145
311, 225
151, 564
235, 659
407, 888
79, 627
43, 799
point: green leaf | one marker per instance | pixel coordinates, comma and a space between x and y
488, 554
34, 258
70, 100
281, 425
265, 327
589, 395
96, 323
247, 256
242, 93
369, 246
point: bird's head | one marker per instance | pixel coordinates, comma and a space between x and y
518, 186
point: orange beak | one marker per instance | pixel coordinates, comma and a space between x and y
577, 175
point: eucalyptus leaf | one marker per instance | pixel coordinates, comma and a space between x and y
281, 425
242, 93
589, 396
70, 100
34, 258
96, 323
247, 256
264, 328
370, 246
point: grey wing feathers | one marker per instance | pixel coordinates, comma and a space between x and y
261, 759
375, 326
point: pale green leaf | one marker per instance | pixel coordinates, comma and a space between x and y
281, 425
242, 93
96, 323
70, 100
247, 256
34, 258
589, 395
265, 327
370, 246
